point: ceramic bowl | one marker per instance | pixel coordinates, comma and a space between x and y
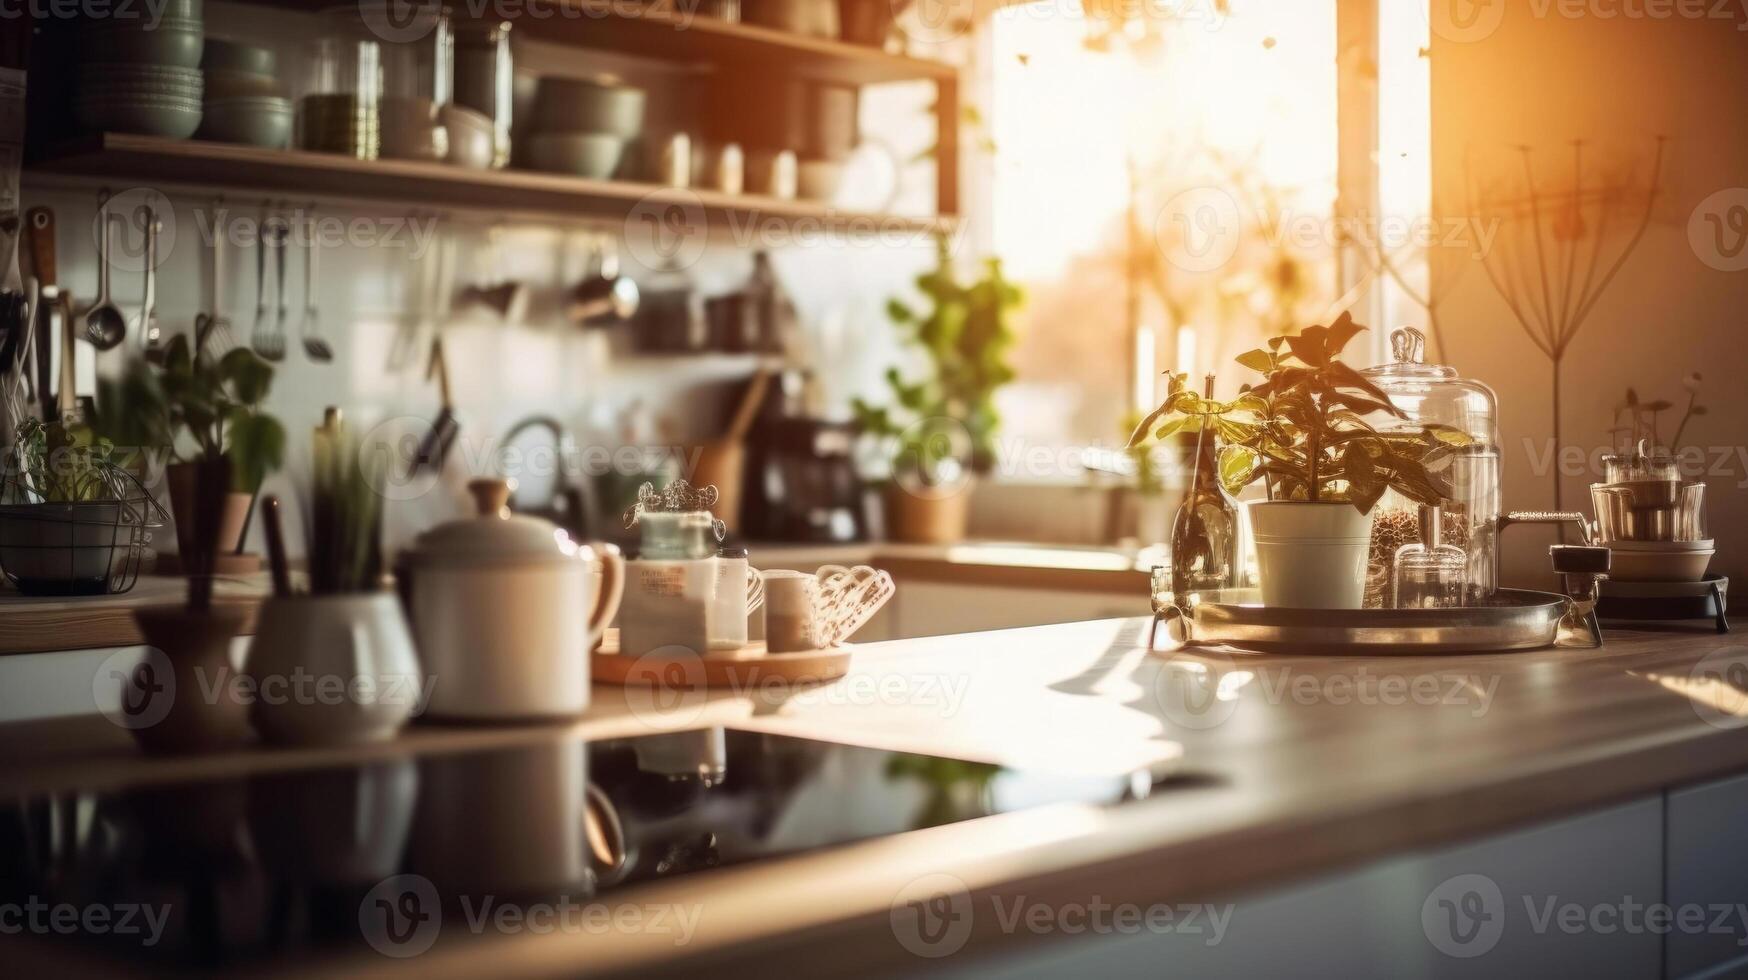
570, 106
1659, 566
410, 129
592, 155
106, 80
818, 180
264, 121
471, 137
235, 56
171, 118
171, 42
225, 84
1663, 547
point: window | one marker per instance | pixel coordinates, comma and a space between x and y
1164, 188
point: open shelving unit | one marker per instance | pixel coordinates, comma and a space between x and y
655, 30
427, 186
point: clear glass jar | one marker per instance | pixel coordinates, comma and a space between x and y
341, 97
485, 80
1433, 394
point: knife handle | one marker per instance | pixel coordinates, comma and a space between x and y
41, 223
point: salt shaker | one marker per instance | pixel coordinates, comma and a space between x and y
1430, 575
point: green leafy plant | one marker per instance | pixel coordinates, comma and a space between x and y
1639, 421
967, 337
59, 463
215, 403
343, 529
1304, 429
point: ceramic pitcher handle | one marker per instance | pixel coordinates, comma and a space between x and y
755, 590
612, 588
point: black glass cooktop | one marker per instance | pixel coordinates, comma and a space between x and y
403, 855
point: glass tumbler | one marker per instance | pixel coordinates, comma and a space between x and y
339, 111
485, 79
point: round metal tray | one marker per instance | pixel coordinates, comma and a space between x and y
1514, 619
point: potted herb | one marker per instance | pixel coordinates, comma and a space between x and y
1304, 432
203, 410
940, 430
65, 512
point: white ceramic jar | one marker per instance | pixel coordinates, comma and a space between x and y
506, 611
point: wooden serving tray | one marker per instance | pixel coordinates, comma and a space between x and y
739, 669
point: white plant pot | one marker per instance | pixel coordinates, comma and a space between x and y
1311, 556
333, 669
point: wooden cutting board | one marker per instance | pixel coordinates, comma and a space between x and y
737, 669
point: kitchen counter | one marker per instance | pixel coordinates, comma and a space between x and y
41, 625
1300, 767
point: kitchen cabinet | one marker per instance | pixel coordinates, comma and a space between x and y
1708, 868
1390, 919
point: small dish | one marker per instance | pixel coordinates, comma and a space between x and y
264, 121
222, 54
592, 155
1659, 566
472, 137
602, 105
1660, 547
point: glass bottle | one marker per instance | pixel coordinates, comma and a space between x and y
1204, 532
1433, 394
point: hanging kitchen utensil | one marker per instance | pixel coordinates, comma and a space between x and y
434, 448
604, 297
571, 504
267, 337
40, 226
212, 328
67, 393
315, 346
104, 325
149, 329
425, 291
17, 358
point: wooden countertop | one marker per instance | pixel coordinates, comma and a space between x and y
32, 625
1302, 765
37, 625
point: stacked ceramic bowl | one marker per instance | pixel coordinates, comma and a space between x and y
140, 73
581, 127
244, 100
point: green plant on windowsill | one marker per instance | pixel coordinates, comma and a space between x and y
1304, 429
946, 421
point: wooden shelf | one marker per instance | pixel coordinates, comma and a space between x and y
659, 30
431, 186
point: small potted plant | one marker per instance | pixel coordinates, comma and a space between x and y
213, 404
71, 520
347, 625
1304, 432
940, 431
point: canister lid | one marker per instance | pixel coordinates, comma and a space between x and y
494, 534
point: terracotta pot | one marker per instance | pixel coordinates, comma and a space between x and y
179, 477
721, 465
199, 707
915, 519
